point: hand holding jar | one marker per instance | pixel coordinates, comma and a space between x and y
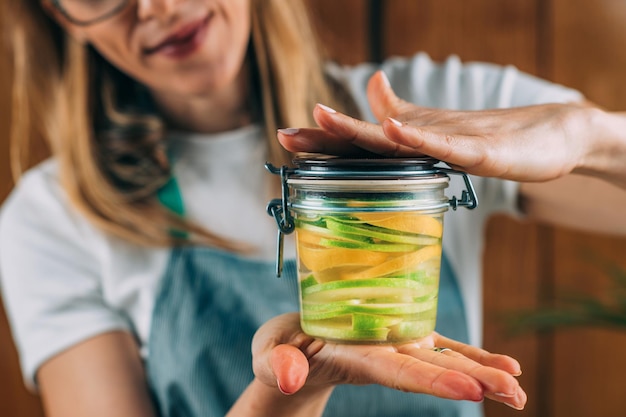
307, 368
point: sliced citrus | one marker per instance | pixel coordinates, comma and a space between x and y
308, 281
317, 311
317, 235
341, 228
318, 259
379, 247
401, 263
362, 321
364, 289
407, 330
343, 332
405, 222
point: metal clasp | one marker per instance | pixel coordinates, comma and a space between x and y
279, 209
468, 199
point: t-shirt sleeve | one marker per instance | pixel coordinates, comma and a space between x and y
452, 84
49, 271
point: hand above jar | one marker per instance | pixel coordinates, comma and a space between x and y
530, 144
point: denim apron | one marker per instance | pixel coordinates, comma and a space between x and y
208, 307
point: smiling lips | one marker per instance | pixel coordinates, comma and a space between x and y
183, 42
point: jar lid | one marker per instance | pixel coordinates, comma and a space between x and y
370, 167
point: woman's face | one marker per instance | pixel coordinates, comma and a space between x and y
186, 47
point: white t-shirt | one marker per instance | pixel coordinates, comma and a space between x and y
64, 281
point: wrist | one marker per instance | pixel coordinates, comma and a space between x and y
605, 146
261, 400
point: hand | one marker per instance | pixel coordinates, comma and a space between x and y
534, 143
286, 358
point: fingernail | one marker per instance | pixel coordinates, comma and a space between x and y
395, 122
281, 388
515, 407
290, 131
385, 79
326, 108
505, 395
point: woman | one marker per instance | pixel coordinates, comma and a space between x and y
139, 291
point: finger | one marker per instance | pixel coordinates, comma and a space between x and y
472, 154
517, 401
502, 362
361, 134
290, 367
380, 95
275, 332
403, 372
316, 141
493, 380
383, 100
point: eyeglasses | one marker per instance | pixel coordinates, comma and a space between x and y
88, 12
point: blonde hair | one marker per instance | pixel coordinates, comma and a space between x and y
62, 89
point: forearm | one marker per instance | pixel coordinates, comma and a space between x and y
599, 189
261, 400
606, 155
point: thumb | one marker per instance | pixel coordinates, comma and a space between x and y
382, 99
291, 368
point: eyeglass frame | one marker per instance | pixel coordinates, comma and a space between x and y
57, 4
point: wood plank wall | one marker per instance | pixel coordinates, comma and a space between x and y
580, 43
15, 401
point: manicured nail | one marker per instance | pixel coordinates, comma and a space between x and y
326, 108
385, 79
505, 395
290, 131
515, 407
395, 122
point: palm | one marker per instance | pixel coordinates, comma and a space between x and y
282, 352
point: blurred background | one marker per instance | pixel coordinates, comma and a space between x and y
568, 372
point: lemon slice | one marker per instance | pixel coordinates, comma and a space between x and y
402, 263
404, 222
318, 259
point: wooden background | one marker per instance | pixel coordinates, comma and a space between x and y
579, 43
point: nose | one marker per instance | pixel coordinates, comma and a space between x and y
157, 9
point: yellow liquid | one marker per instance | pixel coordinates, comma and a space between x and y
369, 277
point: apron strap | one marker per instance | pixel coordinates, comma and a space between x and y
171, 198
169, 195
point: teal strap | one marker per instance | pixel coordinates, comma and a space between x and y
169, 195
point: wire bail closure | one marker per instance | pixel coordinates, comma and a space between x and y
468, 196
280, 208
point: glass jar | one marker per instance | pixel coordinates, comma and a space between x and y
368, 243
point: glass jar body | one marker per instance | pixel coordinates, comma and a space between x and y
368, 255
